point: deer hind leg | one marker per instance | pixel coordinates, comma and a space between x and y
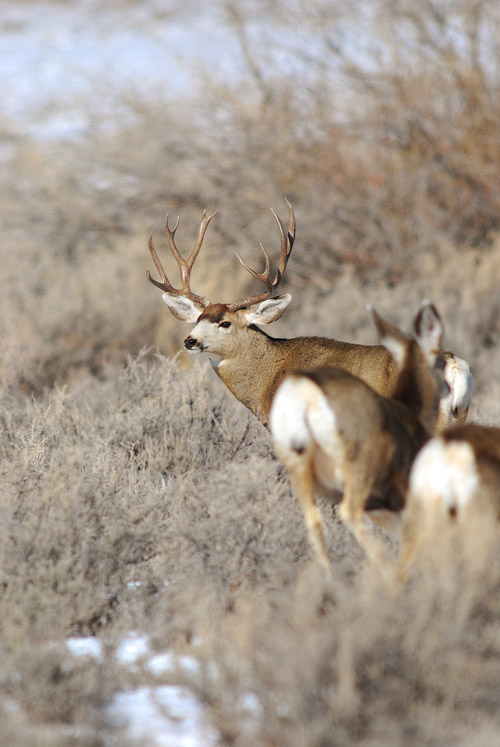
415, 533
390, 521
352, 512
411, 549
302, 476
295, 400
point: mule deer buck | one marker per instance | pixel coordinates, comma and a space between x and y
251, 363
454, 481
335, 433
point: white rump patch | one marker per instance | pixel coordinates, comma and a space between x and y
459, 378
302, 419
445, 471
287, 419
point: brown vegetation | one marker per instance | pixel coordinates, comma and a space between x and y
137, 494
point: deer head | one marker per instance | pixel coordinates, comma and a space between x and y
421, 381
219, 327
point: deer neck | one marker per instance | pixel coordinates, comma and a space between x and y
416, 388
252, 369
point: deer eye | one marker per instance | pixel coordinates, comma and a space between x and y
225, 324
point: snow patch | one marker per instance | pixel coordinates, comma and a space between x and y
168, 662
166, 716
85, 646
132, 648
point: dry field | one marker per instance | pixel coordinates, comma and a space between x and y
138, 498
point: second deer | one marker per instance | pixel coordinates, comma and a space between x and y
336, 434
251, 363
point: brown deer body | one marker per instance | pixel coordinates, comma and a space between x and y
336, 434
255, 364
251, 363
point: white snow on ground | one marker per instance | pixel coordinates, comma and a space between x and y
162, 663
132, 648
85, 646
163, 715
167, 716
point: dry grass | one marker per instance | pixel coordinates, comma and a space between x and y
138, 495
113, 488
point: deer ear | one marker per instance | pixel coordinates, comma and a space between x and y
393, 340
267, 311
429, 330
181, 307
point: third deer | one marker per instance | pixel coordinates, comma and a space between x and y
454, 483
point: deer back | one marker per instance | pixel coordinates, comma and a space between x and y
255, 371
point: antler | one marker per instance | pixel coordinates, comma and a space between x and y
184, 265
287, 239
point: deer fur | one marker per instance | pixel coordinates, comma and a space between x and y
454, 482
336, 434
252, 364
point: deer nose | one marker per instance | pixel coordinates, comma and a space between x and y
189, 343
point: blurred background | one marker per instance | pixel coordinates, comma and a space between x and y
378, 120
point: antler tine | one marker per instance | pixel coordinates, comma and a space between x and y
205, 220
262, 276
287, 240
165, 285
170, 236
184, 265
